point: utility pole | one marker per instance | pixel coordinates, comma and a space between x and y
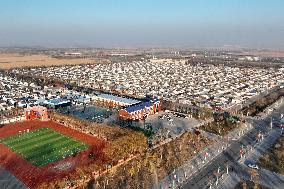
217, 180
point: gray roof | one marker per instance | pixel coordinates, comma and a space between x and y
118, 98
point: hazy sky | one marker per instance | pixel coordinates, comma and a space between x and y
142, 23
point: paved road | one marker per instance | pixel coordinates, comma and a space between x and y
231, 155
178, 177
262, 148
252, 157
264, 177
8, 181
191, 167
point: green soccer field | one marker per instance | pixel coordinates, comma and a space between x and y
43, 146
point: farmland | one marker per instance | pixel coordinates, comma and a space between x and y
43, 146
8, 61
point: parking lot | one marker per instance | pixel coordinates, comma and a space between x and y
169, 122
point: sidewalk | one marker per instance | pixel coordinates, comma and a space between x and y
261, 148
270, 179
229, 182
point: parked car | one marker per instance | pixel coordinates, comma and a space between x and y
170, 119
234, 139
253, 166
161, 117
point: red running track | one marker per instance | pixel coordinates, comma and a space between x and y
33, 176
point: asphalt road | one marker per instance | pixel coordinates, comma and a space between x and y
231, 155
9, 181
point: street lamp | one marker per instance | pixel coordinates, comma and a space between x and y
210, 182
217, 179
206, 154
145, 115
271, 124
281, 130
227, 169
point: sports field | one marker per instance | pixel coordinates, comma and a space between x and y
31, 156
43, 146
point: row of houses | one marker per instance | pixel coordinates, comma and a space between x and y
15, 93
35, 100
210, 86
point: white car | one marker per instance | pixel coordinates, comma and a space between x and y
253, 166
234, 139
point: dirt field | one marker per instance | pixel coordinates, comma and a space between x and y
273, 160
249, 185
145, 171
264, 53
8, 61
33, 176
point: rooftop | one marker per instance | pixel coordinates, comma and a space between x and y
118, 98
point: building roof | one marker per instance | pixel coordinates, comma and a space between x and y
58, 101
118, 98
141, 105
137, 107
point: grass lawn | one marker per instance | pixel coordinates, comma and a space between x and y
43, 146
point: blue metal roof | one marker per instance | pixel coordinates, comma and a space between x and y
118, 98
137, 107
141, 105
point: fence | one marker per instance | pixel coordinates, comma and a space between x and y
12, 119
